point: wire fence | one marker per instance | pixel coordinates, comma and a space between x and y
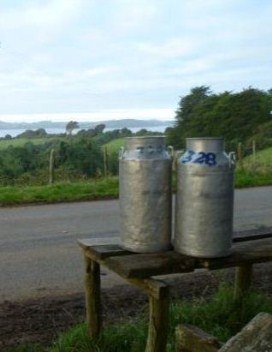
250, 158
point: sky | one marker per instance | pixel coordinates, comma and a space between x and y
91, 60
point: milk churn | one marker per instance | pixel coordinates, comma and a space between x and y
204, 202
145, 194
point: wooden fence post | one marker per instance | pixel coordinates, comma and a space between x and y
51, 166
254, 150
105, 158
240, 155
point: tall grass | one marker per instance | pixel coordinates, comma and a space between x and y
221, 316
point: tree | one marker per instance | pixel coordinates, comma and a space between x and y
186, 115
71, 125
125, 132
234, 116
84, 157
89, 133
99, 128
188, 104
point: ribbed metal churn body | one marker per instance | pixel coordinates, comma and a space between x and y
204, 202
145, 195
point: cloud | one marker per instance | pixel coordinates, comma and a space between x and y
133, 15
78, 55
98, 71
173, 48
45, 14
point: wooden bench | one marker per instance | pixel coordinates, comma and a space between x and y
141, 270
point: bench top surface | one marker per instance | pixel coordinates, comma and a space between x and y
246, 250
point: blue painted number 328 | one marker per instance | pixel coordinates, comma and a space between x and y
199, 158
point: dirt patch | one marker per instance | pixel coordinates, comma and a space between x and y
42, 320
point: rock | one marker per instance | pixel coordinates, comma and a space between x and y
256, 336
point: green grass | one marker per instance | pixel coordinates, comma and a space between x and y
60, 192
263, 156
19, 142
255, 170
106, 188
245, 179
222, 317
261, 163
252, 173
115, 145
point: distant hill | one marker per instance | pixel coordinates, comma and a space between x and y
31, 125
128, 123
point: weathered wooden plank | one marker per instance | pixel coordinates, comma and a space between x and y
158, 322
92, 297
85, 243
101, 248
101, 251
190, 338
250, 252
250, 235
146, 265
256, 336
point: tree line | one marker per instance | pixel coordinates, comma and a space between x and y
238, 117
76, 157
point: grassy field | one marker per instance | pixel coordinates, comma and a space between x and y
260, 163
255, 170
19, 142
221, 316
112, 146
115, 145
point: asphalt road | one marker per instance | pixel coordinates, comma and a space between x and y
39, 255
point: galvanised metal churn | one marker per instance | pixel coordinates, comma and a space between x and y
145, 195
204, 201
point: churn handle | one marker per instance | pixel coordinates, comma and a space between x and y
232, 158
121, 152
170, 150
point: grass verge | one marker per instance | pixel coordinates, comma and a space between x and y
60, 192
244, 179
222, 317
106, 188
255, 170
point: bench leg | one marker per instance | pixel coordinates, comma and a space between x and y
92, 297
243, 278
158, 322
